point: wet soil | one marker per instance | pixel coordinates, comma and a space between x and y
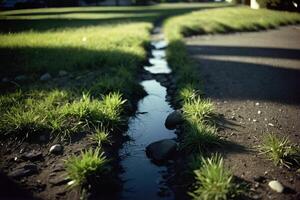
253, 79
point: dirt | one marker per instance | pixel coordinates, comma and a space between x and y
253, 80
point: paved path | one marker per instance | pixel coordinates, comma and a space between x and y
254, 81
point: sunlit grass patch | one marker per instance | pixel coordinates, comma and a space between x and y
82, 48
198, 109
280, 150
86, 167
224, 20
59, 112
101, 136
199, 137
213, 181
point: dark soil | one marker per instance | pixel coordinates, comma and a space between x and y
253, 80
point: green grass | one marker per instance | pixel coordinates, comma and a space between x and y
198, 109
213, 181
224, 20
111, 41
58, 112
101, 136
83, 168
199, 137
280, 150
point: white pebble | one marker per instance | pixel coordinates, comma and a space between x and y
270, 124
276, 186
259, 112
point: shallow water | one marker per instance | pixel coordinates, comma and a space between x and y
143, 179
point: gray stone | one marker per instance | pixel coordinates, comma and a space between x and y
161, 150
175, 118
62, 73
56, 149
276, 186
45, 77
33, 156
21, 78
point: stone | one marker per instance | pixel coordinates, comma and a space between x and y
161, 150
175, 118
270, 124
21, 78
33, 156
45, 77
26, 170
62, 73
276, 186
56, 149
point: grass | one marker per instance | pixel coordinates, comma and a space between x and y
199, 137
109, 40
90, 163
101, 136
280, 150
198, 109
58, 112
224, 20
213, 181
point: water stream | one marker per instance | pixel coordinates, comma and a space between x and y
143, 179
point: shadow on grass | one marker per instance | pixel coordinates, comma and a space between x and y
133, 14
37, 60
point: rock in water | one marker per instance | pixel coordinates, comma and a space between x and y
56, 149
276, 186
161, 150
45, 77
175, 118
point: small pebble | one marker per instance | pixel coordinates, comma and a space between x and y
257, 104
276, 186
57, 148
259, 112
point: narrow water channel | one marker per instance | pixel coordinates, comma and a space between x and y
143, 179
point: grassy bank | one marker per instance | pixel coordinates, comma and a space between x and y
101, 50
200, 133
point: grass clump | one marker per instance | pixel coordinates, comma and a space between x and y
59, 112
213, 181
280, 150
101, 136
90, 163
198, 109
199, 137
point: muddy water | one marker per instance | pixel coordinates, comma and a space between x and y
143, 179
